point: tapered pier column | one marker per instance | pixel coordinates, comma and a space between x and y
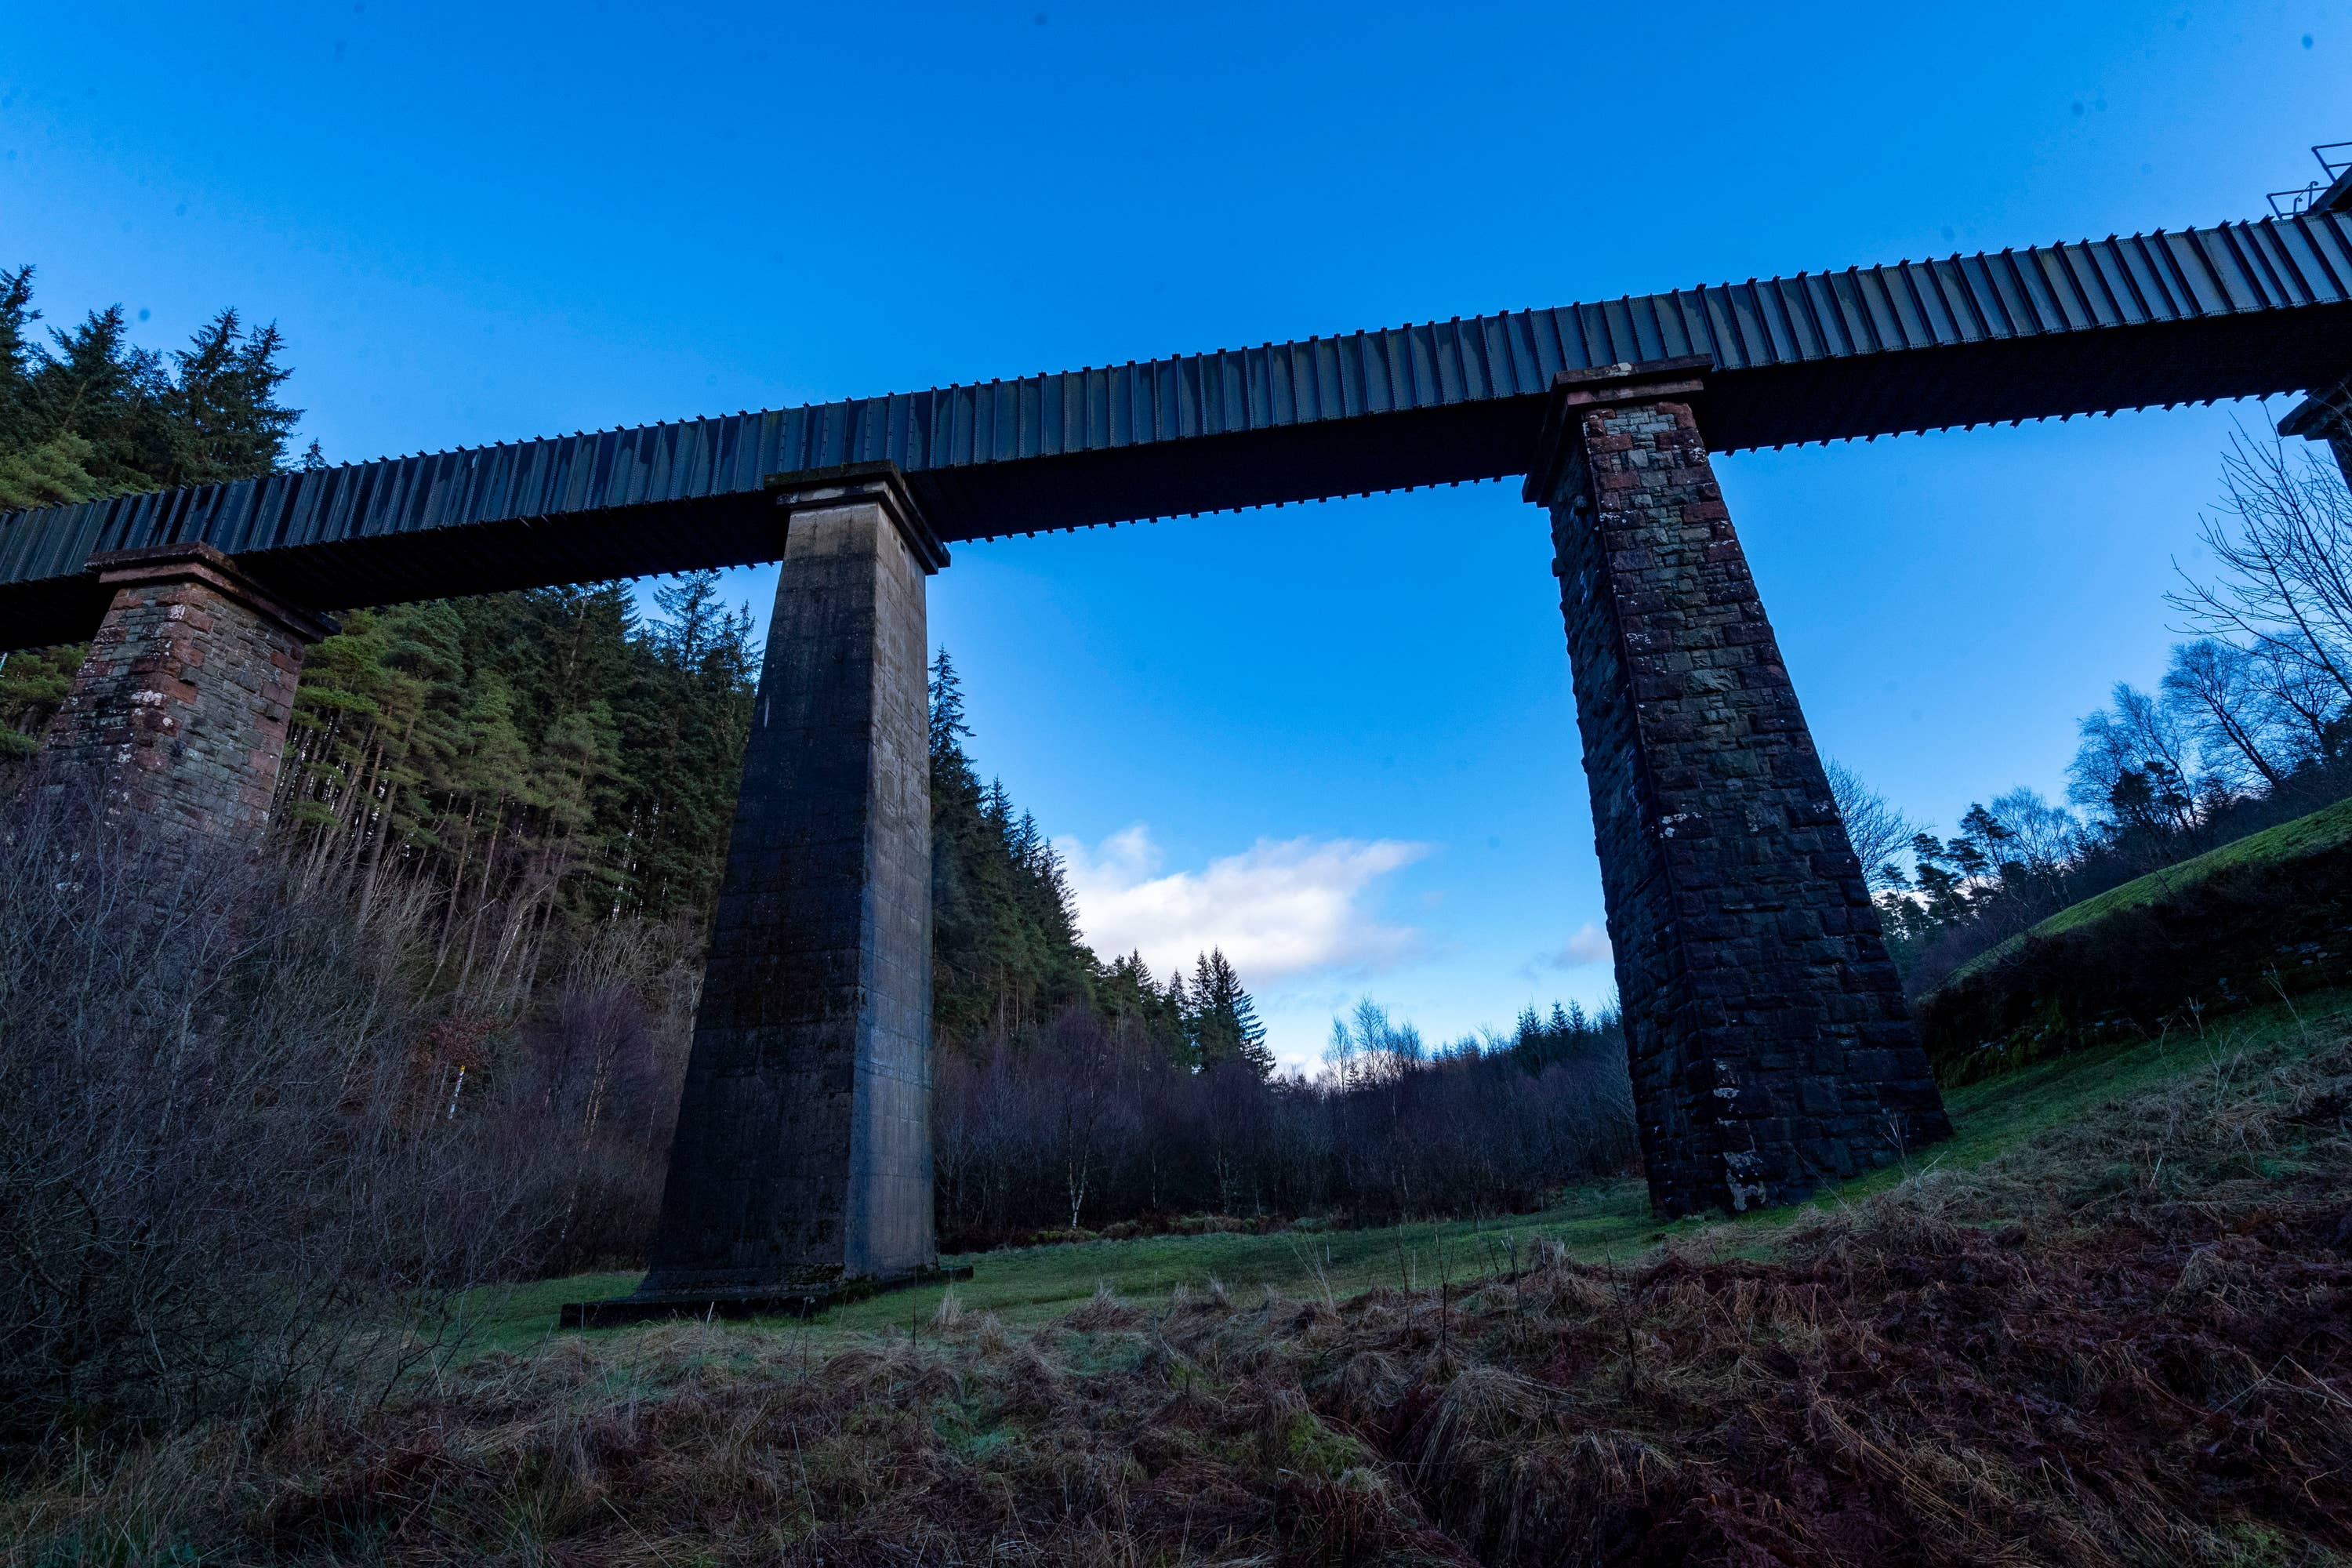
1771, 1048
804, 1150
177, 718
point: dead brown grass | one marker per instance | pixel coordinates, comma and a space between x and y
2128, 1345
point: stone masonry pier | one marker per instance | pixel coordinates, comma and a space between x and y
1771, 1052
178, 715
803, 1163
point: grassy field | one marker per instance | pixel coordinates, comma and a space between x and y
1595, 1223
2102, 1325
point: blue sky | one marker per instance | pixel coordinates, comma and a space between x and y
1339, 738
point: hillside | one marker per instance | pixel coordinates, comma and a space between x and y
2264, 918
2102, 1326
2323, 829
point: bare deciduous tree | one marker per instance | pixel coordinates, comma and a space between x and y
2282, 541
2218, 690
1079, 1124
219, 1188
1876, 829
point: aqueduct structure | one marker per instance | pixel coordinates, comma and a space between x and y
1771, 1048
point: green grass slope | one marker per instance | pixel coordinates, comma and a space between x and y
2265, 917
2327, 828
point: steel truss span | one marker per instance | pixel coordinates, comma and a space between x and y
2233, 311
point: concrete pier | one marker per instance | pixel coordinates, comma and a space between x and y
1771, 1048
179, 712
802, 1162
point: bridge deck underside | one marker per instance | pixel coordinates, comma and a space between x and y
2246, 310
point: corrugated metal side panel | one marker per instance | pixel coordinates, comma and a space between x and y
2275, 264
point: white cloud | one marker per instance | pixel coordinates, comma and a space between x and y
1279, 909
1589, 945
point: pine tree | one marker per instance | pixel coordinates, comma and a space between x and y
690, 617
221, 411
91, 414
19, 356
1254, 1052
1184, 1020
1005, 952
949, 730
1225, 1025
38, 468
93, 382
50, 473
683, 715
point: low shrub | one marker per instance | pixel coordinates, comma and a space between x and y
1067, 1236
220, 1186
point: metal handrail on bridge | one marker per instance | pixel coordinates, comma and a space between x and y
2332, 191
